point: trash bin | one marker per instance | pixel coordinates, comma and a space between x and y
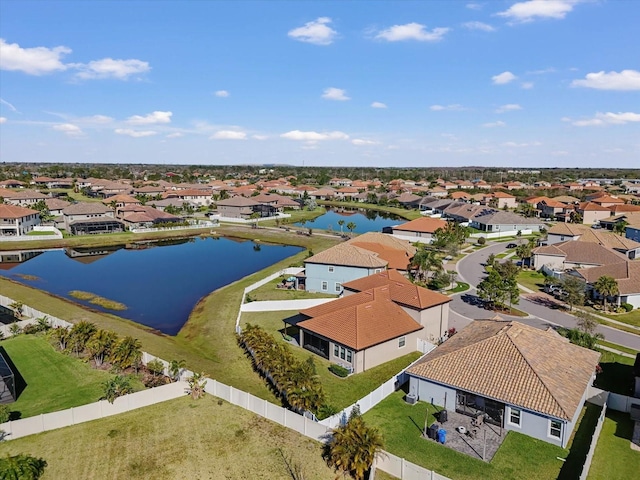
442, 416
433, 432
442, 435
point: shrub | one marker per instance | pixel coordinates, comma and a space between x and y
338, 370
30, 329
482, 241
627, 306
15, 329
5, 413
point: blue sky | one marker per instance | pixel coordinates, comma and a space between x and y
537, 83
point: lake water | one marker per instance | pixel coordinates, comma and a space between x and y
160, 285
366, 221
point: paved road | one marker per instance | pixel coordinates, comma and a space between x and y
467, 306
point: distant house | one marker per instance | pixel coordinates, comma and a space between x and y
197, 198
55, 206
237, 207
523, 379
90, 217
592, 212
140, 216
574, 254
378, 320
23, 198
409, 200
280, 202
419, 230
15, 220
489, 220
501, 200
10, 183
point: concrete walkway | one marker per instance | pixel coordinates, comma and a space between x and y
275, 305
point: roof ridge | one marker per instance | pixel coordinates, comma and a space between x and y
546, 387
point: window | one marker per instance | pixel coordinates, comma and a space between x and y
325, 286
336, 350
331, 269
342, 353
555, 429
402, 342
514, 416
338, 287
349, 356
377, 270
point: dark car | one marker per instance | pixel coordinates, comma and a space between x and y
512, 245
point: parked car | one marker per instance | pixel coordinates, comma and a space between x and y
512, 245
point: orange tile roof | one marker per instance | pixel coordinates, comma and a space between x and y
402, 291
395, 258
513, 363
13, 211
423, 225
348, 255
360, 321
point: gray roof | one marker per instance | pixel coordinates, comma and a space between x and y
86, 208
497, 217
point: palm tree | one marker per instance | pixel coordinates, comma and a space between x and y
353, 447
341, 223
607, 287
175, 368
21, 467
127, 353
101, 344
197, 382
116, 387
61, 336
620, 227
425, 261
80, 335
17, 308
351, 227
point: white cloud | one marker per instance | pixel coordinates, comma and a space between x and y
314, 136
362, 142
411, 31
97, 119
521, 145
474, 6
625, 80
3, 119
609, 118
378, 105
335, 94
135, 133
485, 27
543, 71
110, 68
536, 9
527, 85
317, 32
175, 135
228, 135
151, 118
68, 129
499, 123
503, 78
32, 61
11, 107
222, 94
456, 107
509, 107
260, 137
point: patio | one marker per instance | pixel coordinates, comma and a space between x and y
469, 444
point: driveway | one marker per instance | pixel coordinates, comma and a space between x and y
467, 306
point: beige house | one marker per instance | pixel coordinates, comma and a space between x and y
419, 230
237, 207
90, 217
592, 212
574, 254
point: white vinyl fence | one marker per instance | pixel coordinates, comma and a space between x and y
199, 224
594, 442
502, 234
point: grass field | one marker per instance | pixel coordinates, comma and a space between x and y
269, 291
341, 392
177, 439
614, 459
54, 381
519, 457
632, 318
531, 279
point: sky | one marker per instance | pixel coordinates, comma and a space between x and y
530, 84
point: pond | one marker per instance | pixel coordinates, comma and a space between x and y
159, 285
365, 220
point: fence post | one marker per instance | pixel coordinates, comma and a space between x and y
42, 421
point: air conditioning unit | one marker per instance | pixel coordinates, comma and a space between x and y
411, 398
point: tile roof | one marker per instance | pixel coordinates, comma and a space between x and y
572, 229
120, 199
402, 291
587, 253
360, 321
387, 240
423, 225
627, 274
56, 203
513, 363
14, 211
497, 217
398, 259
86, 208
348, 255
238, 201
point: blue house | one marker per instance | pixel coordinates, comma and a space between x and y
517, 377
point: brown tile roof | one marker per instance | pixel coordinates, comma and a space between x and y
627, 274
86, 208
402, 291
586, 253
348, 255
592, 207
360, 321
572, 229
14, 211
56, 203
387, 240
238, 201
398, 259
423, 225
513, 363
120, 199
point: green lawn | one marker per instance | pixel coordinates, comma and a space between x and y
460, 287
341, 392
177, 439
632, 318
399, 211
531, 279
519, 457
620, 348
614, 459
34, 233
54, 381
269, 291
617, 373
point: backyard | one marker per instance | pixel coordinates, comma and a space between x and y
614, 459
617, 373
48, 380
341, 392
271, 291
177, 439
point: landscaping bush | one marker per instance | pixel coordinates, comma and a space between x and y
627, 306
338, 370
482, 241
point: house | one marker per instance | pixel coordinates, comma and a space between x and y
397, 252
567, 231
237, 207
90, 217
523, 379
23, 198
197, 198
16, 220
550, 208
323, 194
280, 202
372, 326
11, 184
409, 200
626, 275
120, 201
346, 193
489, 220
419, 230
141, 216
55, 206
340, 182
501, 200
592, 212
574, 254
